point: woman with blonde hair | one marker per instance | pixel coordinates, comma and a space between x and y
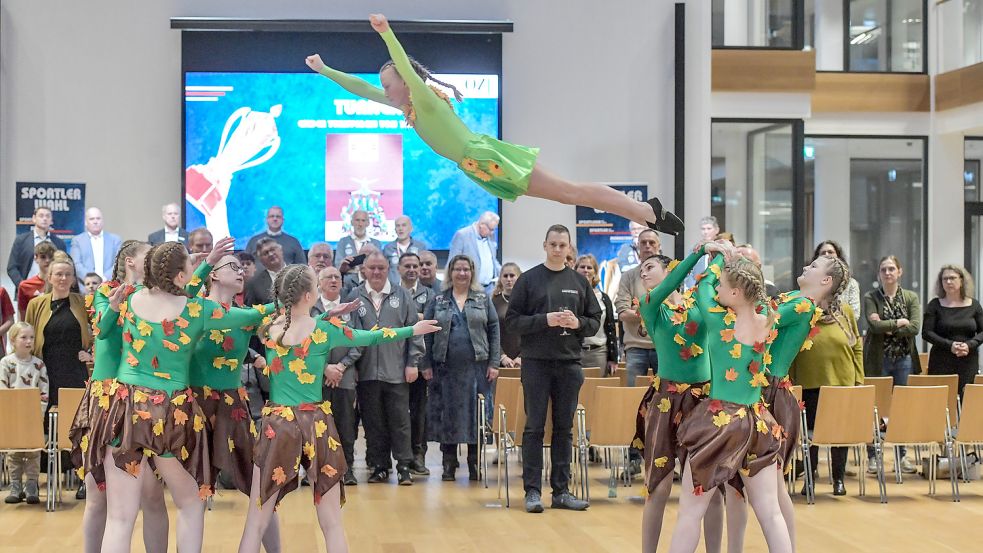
601, 349
953, 324
500, 298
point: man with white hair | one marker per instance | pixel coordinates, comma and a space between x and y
172, 231
349, 246
94, 251
477, 242
320, 256
404, 243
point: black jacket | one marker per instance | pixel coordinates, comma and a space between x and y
157, 237
22, 255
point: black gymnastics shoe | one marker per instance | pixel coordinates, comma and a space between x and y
667, 221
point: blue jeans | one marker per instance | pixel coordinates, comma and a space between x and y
638, 361
898, 369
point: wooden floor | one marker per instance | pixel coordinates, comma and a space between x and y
435, 516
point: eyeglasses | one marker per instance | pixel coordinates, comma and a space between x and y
232, 264
951, 278
331, 277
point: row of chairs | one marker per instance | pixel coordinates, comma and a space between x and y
24, 432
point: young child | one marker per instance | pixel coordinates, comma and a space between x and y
91, 282
20, 369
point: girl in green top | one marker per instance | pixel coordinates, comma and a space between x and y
732, 433
297, 426
504, 170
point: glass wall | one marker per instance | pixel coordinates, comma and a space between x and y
754, 23
886, 36
973, 150
751, 192
868, 194
972, 32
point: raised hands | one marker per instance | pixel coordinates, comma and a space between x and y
379, 22
314, 62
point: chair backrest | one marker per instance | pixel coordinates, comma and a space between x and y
797, 392
917, 415
593, 372
622, 373
978, 379
950, 380
509, 372
845, 415
923, 357
883, 389
615, 408
518, 420
642, 380
507, 395
69, 400
971, 423
586, 397
20, 411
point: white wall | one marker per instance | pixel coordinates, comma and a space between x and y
90, 92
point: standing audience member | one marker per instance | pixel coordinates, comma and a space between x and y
32, 287
553, 308
409, 279
94, 251
6, 317
356, 274
259, 289
248, 263
385, 372
894, 318
477, 242
293, 252
953, 324
428, 271
351, 245
709, 229
408, 271
639, 352
628, 252
462, 361
852, 294
63, 337
339, 380
172, 231
21, 369
500, 298
320, 256
90, 283
404, 243
601, 349
22, 263
200, 240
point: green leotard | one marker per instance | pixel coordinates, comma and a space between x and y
218, 357
297, 372
501, 168
737, 370
797, 317
677, 331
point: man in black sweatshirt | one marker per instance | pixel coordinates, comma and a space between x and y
552, 308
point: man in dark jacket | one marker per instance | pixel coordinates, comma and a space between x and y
20, 264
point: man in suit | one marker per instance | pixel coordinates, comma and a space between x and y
172, 231
259, 289
409, 279
21, 264
94, 251
339, 381
349, 245
475, 241
404, 243
293, 252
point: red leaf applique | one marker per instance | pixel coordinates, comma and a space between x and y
228, 343
168, 327
691, 328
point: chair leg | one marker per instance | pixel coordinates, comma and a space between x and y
953, 481
881, 478
612, 481
861, 471
829, 464
897, 465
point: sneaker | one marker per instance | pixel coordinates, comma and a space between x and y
16, 494
418, 468
403, 476
907, 466
873, 466
80, 494
31, 492
566, 500
534, 502
379, 475
349, 478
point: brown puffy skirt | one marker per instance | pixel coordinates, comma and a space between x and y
167, 425
724, 440
787, 412
231, 433
660, 413
292, 436
98, 419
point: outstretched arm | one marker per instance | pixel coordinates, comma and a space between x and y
418, 88
675, 277
356, 86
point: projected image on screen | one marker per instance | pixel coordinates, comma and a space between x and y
300, 141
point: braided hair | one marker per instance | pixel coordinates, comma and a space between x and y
162, 264
832, 306
745, 275
128, 249
426, 75
289, 286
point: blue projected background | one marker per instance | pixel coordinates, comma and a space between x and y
300, 141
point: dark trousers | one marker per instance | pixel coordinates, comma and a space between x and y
449, 452
385, 410
838, 455
418, 416
544, 382
343, 409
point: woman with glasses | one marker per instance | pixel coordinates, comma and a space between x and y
953, 324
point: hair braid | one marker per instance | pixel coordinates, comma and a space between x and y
424, 73
128, 249
289, 286
832, 307
148, 263
163, 263
746, 276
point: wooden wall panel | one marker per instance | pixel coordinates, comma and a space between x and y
763, 71
959, 88
860, 92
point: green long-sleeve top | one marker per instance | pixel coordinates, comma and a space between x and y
797, 316
737, 370
109, 345
296, 372
431, 115
218, 356
833, 360
877, 331
678, 332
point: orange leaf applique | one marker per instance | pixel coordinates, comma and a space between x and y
329, 471
269, 432
730, 375
279, 477
218, 313
131, 360
181, 322
170, 345
180, 417
802, 307
727, 335
133, 467
168, 327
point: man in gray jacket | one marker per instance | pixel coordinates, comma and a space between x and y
385, 372
409, 280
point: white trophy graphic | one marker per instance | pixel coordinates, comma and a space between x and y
253, 140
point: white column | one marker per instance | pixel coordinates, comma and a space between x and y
832, 173
828, 35
735, 22
697, 117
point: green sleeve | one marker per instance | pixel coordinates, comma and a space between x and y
105, 318
349, 337
706, 288
419, 90
876, 327
675, 278
235, 317
358, 87
793, 330
198, 279
789, 316
914, 316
